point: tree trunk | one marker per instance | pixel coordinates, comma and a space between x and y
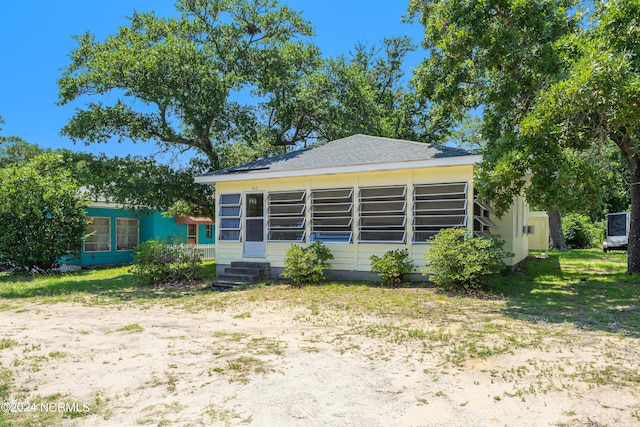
555, 231
633, 258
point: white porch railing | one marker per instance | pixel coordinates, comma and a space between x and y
208, 251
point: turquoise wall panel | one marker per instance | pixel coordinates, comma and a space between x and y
152, 226
166, 228
202, 235
112, 256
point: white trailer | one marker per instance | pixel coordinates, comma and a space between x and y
617, 231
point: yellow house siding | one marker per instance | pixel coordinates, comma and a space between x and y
355, 256
510, 229
539, 240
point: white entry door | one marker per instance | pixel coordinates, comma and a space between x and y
254, 242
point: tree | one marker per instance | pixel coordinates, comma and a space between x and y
492, 58
184, 84
596, 103
41, 214
363, 92
14, 149
180, 81
138, 182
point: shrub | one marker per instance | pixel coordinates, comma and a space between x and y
159, 261
306, 264
459, 261
579, 231
392, 266
41, 214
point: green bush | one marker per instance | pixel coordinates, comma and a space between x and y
459, 261
41, 214
392, 266
159, 261
306, 264
579, 231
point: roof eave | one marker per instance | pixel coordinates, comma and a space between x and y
444, 161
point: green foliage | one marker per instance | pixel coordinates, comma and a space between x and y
459, 261
579, 231
187, 71
41, 214
140, 181
392, 266
159, 261
14, 150
176, 81
306, 264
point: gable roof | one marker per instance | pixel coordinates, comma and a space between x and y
354, 153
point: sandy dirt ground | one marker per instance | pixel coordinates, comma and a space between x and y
261, 365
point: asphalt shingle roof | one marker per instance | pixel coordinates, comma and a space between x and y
351, 151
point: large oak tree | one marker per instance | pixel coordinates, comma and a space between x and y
596, 103
492, 58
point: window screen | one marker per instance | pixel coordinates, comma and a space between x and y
229, 214
382, 214
438, 206
482, 222
287, 216
332, 215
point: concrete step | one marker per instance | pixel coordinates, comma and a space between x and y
223, 285
259, 273
251, 264
242, 278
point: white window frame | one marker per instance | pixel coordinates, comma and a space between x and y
328, 206
437, 195
379, 202
128, 221
235, 205
87, 240
286, 215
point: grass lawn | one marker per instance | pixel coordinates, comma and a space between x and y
588, 288
563, 299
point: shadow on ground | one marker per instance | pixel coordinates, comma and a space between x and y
119, 285
587, 288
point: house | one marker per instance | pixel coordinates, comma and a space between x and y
361, 196
114, 232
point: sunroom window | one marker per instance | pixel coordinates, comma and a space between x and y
332, 215
287, 216
382, 214
229, 215
438, 206
482, 222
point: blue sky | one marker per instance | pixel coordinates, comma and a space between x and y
36, 38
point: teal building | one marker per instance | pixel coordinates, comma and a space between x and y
113, 233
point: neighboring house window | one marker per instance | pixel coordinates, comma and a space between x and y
192, 234
229, 212
332, 215
438, 206
382, 214
99, 232
287, 216
482, 222
208, 231
127, 234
